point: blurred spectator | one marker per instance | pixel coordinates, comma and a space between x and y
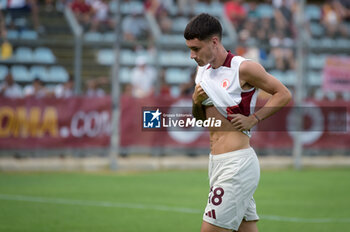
160, 12
252, 13
36, 89
10, 89
282, 51
332, 21
49, 5
153, 6
134, 27
343, 9
187, 89
164, 21
6, 47
93, 90
284, 17
100, 11
3, 31
247, 42
288, 3
186, 7
83, 12
142, 78
264, 31
252, 52
164, 86
18, 9
65, 90
235, 12
127, 89
6, 50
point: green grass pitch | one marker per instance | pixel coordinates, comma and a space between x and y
310, 200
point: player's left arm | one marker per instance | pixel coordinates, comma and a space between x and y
254, 74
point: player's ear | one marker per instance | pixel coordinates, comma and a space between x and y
215, 40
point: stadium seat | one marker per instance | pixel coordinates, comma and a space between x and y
109, 37
342, 43
105, 57
164, 58
44, 55
213, 8
150, 58
315, 43
319, 94
177, 76
268, 63
317, 30
179, 24
24, 54
316, 61
93, 37
124, 75
172, 39
290, 77
21, 22
314, 78
227, 41
201, 7
175, 91
128, 7
313, 12
346, 96
287, 77
38, 71
58, 74
127, 57
328, 43
20, 73
28, 35
51, 87
174, 58
174, 10
330, 95
278, 74
265, 11
217, 8
12, 34
3, 72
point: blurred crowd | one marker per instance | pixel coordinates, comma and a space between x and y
261, 36
10, 89
276, 35
93, 15
97, 15
14, 14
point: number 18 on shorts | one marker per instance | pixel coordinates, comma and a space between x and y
214, 199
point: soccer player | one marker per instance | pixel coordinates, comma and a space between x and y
234, 170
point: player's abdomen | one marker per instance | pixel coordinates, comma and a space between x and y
226, 138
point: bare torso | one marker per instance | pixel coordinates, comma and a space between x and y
226, 138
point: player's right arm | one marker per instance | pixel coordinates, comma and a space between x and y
198, 97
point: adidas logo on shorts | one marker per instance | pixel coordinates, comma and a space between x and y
211, 214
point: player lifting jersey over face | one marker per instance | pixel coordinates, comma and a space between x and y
226, 89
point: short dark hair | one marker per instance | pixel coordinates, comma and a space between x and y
202, 27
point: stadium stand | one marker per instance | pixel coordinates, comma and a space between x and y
36, 52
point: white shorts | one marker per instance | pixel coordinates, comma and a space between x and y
233, 176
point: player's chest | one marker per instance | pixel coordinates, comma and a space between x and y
224, 78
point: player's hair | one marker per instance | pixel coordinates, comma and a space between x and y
203, 27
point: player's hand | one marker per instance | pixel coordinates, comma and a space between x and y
199, 95
241, 122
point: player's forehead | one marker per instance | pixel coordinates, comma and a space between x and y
195, 43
